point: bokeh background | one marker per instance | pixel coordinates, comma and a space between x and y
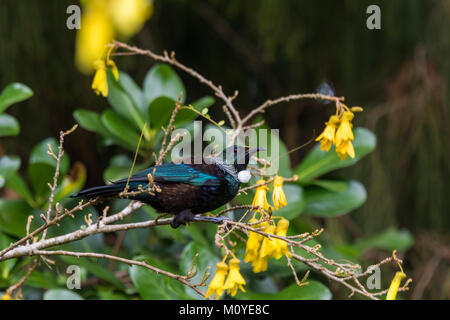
265, 49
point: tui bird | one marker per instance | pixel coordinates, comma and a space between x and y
185, 189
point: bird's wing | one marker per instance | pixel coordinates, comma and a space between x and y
175, 173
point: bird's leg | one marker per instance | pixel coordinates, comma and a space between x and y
213, 219
182, 218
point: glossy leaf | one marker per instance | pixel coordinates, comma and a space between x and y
313, 291
61, 294
132, 89
325, 203
388, 240
185, 115
95, 267
160, 110
162, 81
120, 167
89, 120
71, 183
123, 104
8, 126
13, 93
204, 260
13, 216
120, 128
9, 165
154, 286
296, 202
92, 243
6, 266
319, 162
41, 167
16, 183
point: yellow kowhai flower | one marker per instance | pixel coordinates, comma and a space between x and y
128, 16
281, 247
234, 280
278, 196
96, 32
344, 135
327, 137
216, 286
267, 245
100, 81
253, 242
5, 297
344, 149
260, 199
395, 285
260, 264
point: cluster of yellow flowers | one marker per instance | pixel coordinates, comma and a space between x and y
259, 248
338, 131
101, 21
278, 196
233, 282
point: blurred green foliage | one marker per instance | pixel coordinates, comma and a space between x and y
131, 107
266, 49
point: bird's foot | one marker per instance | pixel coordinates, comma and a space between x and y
182, 218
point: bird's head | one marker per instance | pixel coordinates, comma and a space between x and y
239, 156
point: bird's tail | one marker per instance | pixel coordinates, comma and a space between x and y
100, 191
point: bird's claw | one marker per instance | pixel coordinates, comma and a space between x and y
182, 218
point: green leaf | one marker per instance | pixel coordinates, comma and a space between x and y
41, 167
13, 216
331, 185
155, 286
120, 128
133, 90
296, 202
319, 162
9, 165
71, 183
89, 120
325, 203
8, 126
123, 104
159, 111
313, 291
40, 155
16, 183
61, 294
204, 260
388, 240
13, 93
162, 81
96, 268
119, 168
6, 266
186, 115
92, 243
